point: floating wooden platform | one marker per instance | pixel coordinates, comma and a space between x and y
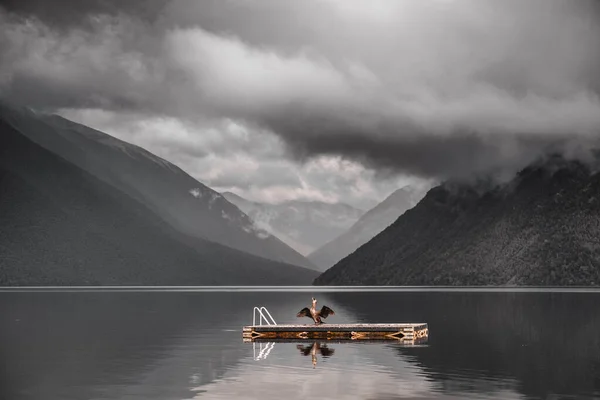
409, 332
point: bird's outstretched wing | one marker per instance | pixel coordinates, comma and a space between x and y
325, 311
326, 351
305, 312
305, 350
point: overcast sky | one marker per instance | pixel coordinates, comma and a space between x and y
316, 99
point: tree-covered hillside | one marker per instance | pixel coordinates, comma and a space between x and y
542, 228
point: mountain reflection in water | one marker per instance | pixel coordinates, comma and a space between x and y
167, 345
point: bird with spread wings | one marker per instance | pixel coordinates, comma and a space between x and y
315, 314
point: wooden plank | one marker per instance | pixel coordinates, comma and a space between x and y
404, 331
335, 327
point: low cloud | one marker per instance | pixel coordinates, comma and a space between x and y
472, 92
431, 89
228, 157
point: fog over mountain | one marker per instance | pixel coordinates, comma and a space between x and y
303, 225
541, 228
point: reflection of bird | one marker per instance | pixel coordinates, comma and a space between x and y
314, 349
314, 314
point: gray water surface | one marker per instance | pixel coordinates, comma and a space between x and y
157, 344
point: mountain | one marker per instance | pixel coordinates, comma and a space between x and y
61, 225
541, 228
303, 225
186, 204
369, 225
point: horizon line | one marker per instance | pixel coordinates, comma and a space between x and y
296, 288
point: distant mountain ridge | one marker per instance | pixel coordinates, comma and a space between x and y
303, 225
369, 225
188, 205
541, 228
60, 225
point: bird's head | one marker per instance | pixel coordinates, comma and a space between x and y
314, 301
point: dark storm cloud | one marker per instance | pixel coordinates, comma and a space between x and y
66, 14
434, 88
466, 151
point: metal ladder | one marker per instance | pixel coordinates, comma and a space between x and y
262, 316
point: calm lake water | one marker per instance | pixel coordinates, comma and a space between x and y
187, 345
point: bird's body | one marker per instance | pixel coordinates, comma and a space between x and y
315, 314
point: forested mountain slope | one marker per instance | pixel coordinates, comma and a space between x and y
542, 228
370, 224
186, 204
60, 225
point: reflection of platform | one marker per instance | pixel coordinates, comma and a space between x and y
408, 343
408, 332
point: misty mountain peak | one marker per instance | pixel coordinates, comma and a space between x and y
303, 225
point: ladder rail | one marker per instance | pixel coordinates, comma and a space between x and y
262, 316
269, 314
